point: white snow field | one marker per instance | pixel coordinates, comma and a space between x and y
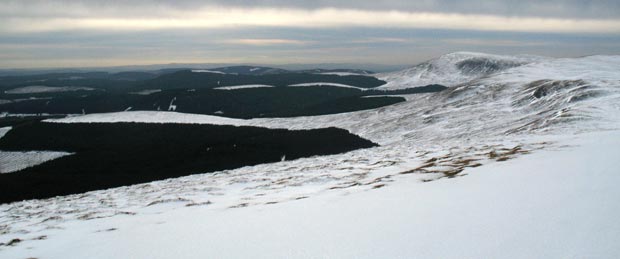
521, 162
341, 73
207, 71
326, 84
35, 89
3, 131
14, 161
147, 92
236, 87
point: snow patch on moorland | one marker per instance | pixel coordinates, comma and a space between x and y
326, 84
236, 87
14, 161
4, 130
207, 71
146, 92
342, 73
152, 117
36, 89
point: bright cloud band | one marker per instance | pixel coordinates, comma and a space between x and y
219, 17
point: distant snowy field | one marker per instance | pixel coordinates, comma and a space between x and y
207, 71
327, 84
36, 89
517, 161
341, 73
15, 161
147, 92
236, 87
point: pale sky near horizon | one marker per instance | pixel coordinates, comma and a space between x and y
88, 33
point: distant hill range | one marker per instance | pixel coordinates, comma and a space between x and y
176, 67
232, 91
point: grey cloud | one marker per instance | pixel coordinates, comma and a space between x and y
283, 44
603, 9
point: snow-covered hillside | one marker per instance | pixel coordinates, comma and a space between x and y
514, 162
453, 69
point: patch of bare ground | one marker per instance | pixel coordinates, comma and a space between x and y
345, 185
198, 204
106, 230
378, 186
455, 162
505, 154
241, 205
167, 201
12, 242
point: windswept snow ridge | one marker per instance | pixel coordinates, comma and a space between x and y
453, 69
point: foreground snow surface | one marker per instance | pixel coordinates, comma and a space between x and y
518, 163
556, 203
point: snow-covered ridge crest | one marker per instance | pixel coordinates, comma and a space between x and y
453, 69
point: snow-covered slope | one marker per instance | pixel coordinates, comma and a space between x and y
517, 163
551, 204
454, 68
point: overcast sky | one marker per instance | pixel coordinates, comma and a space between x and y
37, 33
